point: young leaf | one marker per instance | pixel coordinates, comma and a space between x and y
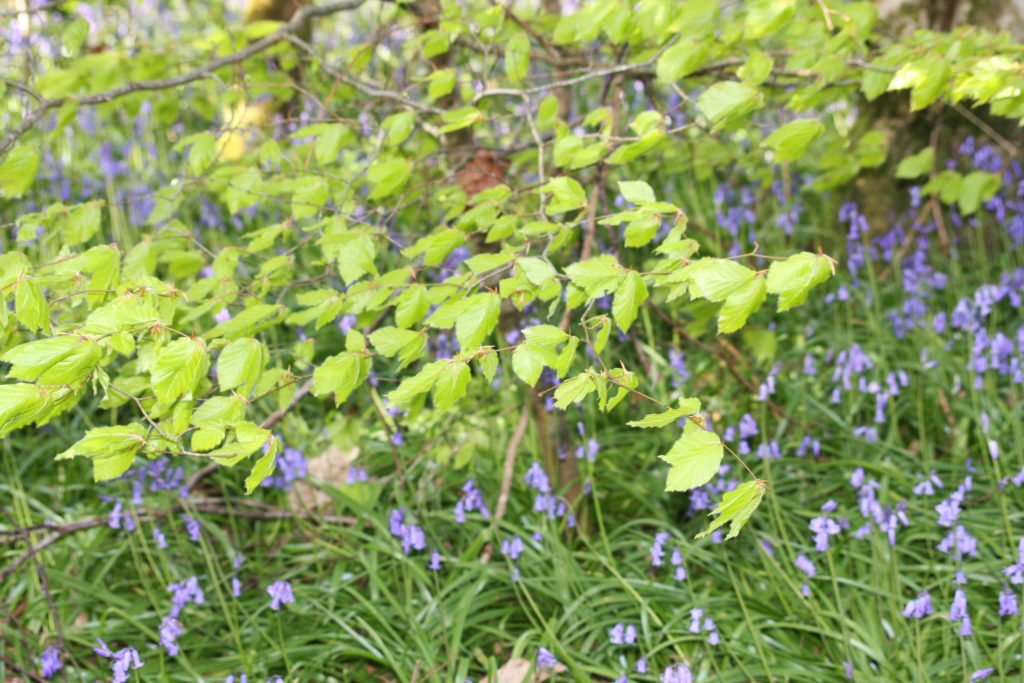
248, 438
30, 306
791, 140
263, 467
517, 57
794, 278
488, 364
112, 449
388, 176
636, 191
56, 360
664, 419
681, 60
630, 295
736, 507
529, 360
451, 384
727, 100
695, 458
241, 363
420, 383
338, 375
179, 367
568, 195
597, 276
714, 279
219, 411
977, 187
574, 390
388, 341
477, 320
547, 335
20, 404
916, 165
18, 171
740, 304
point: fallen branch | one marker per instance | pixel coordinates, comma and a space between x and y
507, 475
238, 507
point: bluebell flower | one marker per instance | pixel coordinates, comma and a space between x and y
928, 485
641, 666
804, 564
823, 527
677, 674
677, 562
982, 674
658, 548
512, 548
545, 660
50, 662
471, 500
170, 629
124, 660
435, 561
1008, 603
622, 634
412, 536
185, 592
280, 594
290, 466
919, 607
356, 474
192, 527
159, 538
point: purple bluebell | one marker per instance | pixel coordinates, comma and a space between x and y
183, 593
1008, 605
50, 662
622, 634
928, 485
512, 548
471, 500
824, 527
280, 593
804, 564
677, 674
159, 538
959, 543
982, 674
677, 562
192, 527
658, 548
412, 536
170, 629
124, 660
545, 659
290, 466
919, 607
356, 475
435, 561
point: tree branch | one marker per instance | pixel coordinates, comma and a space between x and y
292, 26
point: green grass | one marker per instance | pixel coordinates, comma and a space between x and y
365, 611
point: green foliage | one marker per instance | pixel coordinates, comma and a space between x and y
434, 219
